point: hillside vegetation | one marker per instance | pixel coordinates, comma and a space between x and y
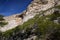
2, 21
43, 27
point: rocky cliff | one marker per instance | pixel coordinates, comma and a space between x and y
40, 21
34, 8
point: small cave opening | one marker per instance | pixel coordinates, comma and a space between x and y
20, 16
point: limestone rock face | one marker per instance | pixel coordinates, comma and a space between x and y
34, 8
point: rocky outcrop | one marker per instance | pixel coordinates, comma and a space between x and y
34, 8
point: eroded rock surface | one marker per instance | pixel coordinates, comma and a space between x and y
34, 8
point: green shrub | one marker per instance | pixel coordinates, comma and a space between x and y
1, 17
3, 23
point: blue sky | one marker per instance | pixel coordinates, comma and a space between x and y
9, 7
